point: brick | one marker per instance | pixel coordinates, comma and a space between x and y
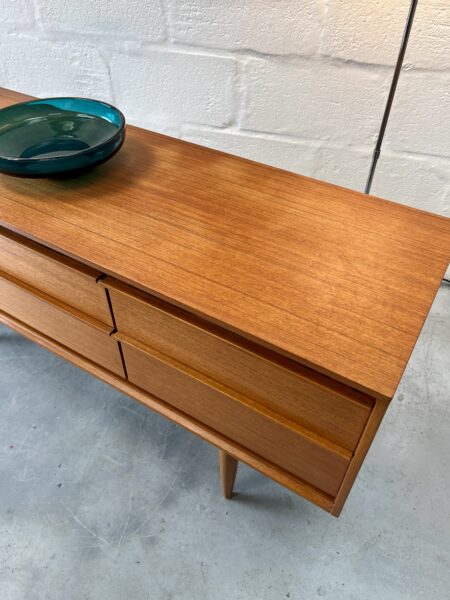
20, 12
285, 154
417, 181
371, 32
430, 37
43, 68
346, 167
281, 27
129, 18
420, 115
315, 100
174, 87
367, 32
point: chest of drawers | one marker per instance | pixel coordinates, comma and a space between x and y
268, 313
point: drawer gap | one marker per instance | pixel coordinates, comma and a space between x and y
70, 310
248, 402
316, 378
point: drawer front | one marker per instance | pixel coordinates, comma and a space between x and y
326, 407
273, 438
54, 274
41, 314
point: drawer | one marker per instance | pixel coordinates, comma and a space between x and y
89, 339
264, 433
54, 274
300, 394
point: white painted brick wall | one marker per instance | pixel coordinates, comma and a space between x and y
313, 100
365, 32
45, 68
280, 27
423, 99
398, 175
17, 12
170, 87
299, 85
370, 32
142, 19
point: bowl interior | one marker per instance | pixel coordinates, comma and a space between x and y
56, 127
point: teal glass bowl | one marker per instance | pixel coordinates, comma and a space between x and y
58, 136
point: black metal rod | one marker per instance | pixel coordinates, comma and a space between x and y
387, 110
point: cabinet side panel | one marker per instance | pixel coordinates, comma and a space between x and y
370, 430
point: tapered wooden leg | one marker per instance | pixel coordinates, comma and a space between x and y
228, 468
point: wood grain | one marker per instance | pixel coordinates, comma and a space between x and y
319, 273
213, 437
302, 395
265, 433
58, 276
39, 312
371, 428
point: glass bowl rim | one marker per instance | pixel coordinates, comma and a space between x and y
79, 152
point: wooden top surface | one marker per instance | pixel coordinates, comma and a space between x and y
336, 280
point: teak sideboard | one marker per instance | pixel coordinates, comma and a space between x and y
271, 314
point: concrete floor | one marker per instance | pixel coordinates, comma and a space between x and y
101, 499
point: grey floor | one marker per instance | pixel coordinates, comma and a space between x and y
101, 499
